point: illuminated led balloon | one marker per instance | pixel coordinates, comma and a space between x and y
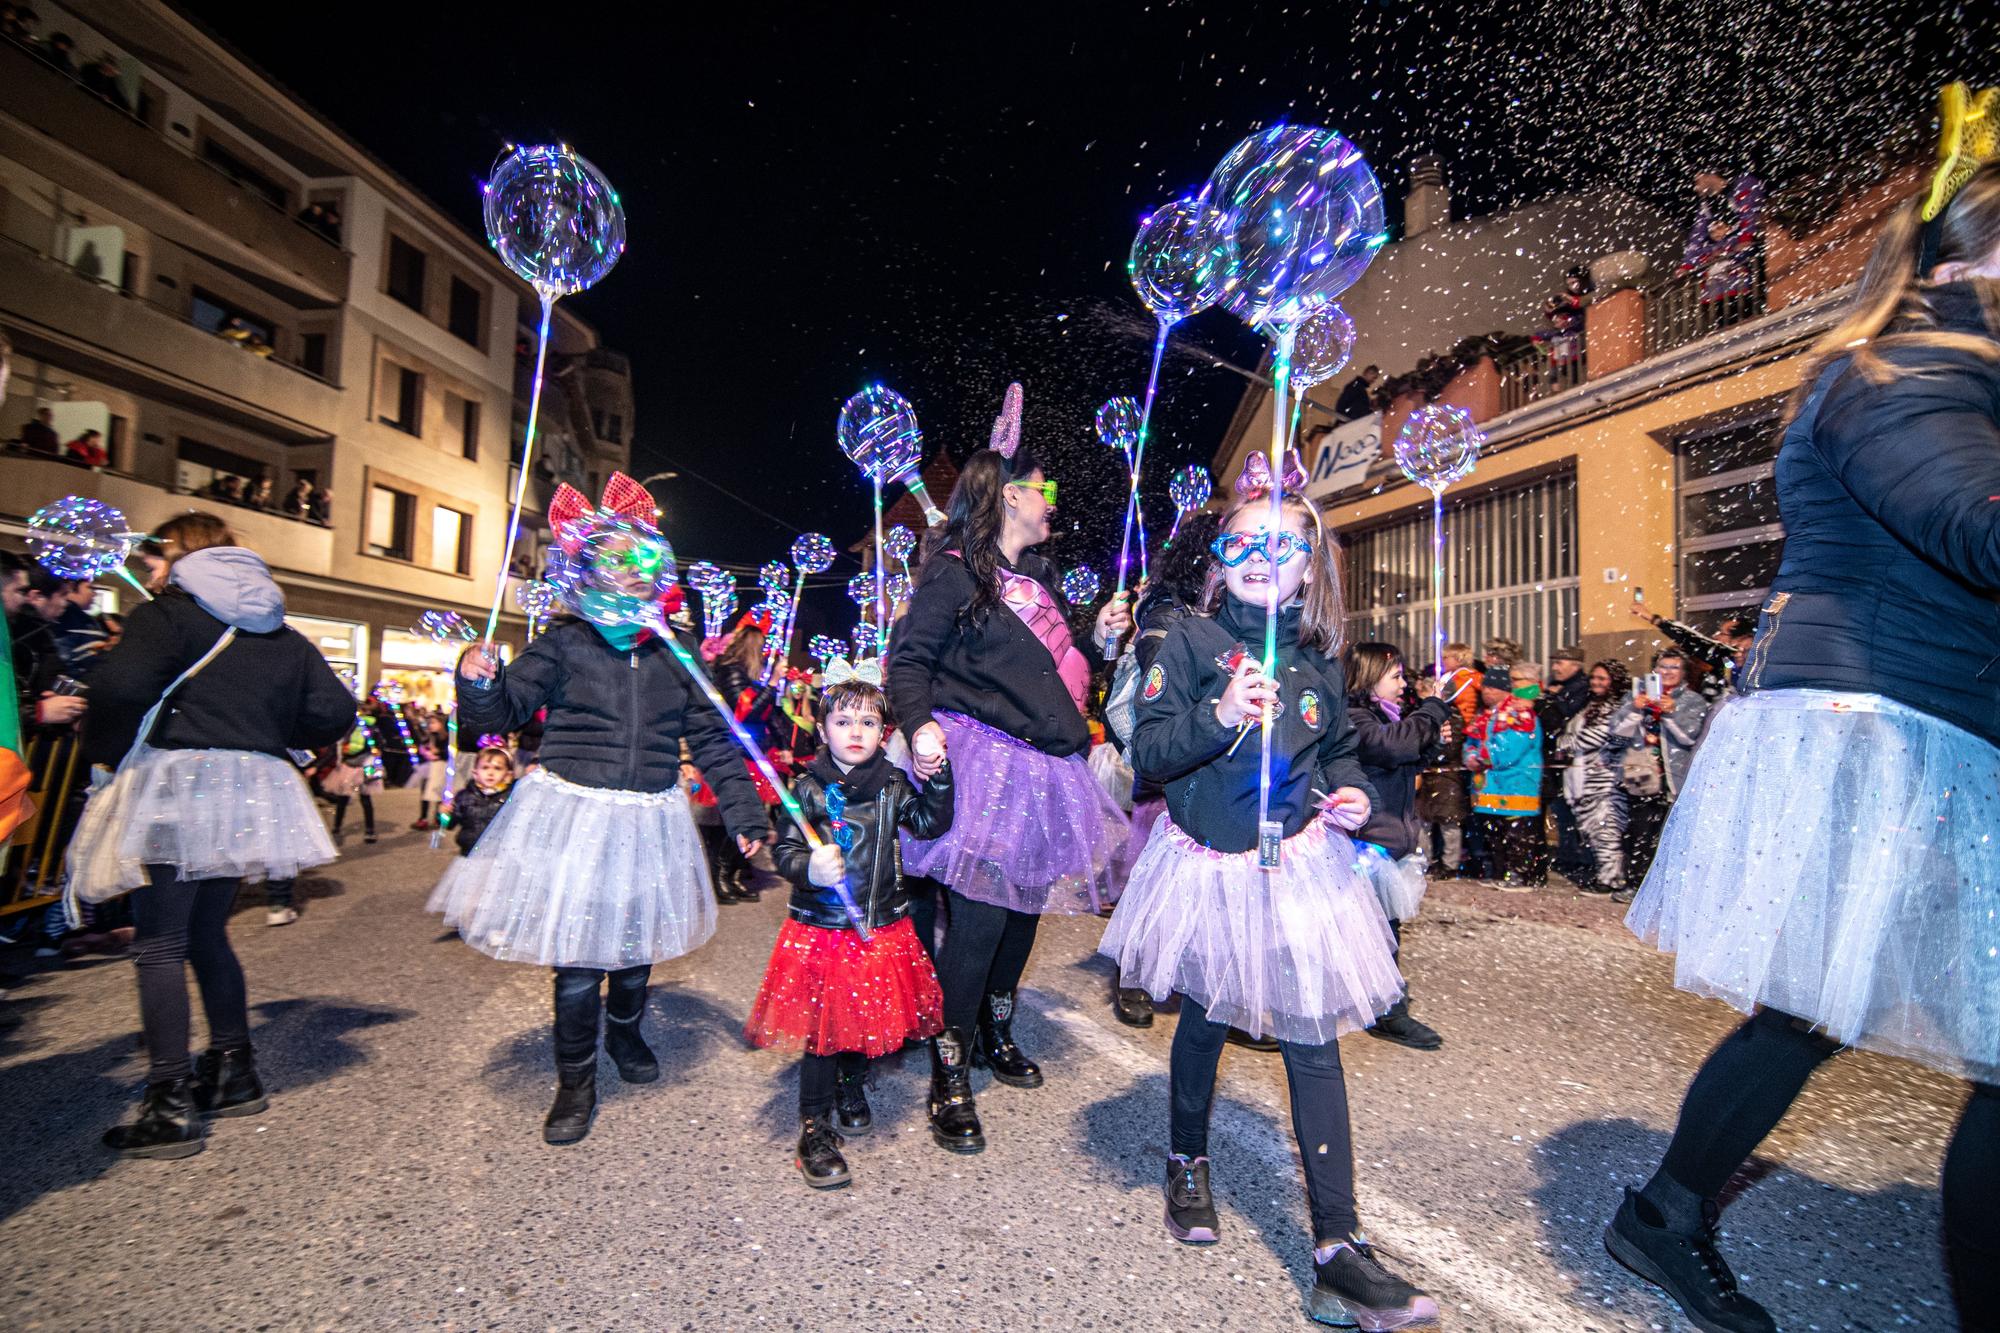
861, 589
772, 576
812, 553
824, 648
617, 572
900, 543
350, 678
79, 538
1080, 585
1438, 445
1190, 488
864, 639
1178, 261
553, 218
537, 598
390, 692
1321, 347
1118, 422
448, 626
1302, 218
898, 589
878, 432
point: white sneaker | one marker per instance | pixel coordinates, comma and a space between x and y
280, 916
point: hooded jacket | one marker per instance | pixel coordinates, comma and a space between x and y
269, 691
1392, 753
880, 800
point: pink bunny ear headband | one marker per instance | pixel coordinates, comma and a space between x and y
1254, 482
1006, 436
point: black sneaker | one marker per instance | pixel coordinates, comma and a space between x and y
819, 1159
1132, 1007
1688, 1268
1351, 1289
1399, 1027
1238, 1037
1190, 1208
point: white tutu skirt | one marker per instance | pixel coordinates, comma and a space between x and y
574, 876
1113, 774
210, 814
1301, 953
1399, 881
1837, 856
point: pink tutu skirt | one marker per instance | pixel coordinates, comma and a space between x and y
1031, 832
1301, 953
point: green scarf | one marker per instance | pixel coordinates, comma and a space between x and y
622, 637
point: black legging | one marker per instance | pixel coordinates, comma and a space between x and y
818, 1075
578, 1005
985, 952
367, 813
1319, 1114
180, 923
1744, 1089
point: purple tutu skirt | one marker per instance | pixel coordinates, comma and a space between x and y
1145, 816
1301, 953
1031, 832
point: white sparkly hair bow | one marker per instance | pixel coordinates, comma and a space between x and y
840, 671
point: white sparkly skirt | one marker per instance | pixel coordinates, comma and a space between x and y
575, 876
211, 814
1399, 881
1837, 856
1302, 953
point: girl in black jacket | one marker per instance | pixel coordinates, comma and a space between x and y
593, 866
475, 805
841, 999
1299, 951
1394, 746
1830, 864
197, 706
982, 664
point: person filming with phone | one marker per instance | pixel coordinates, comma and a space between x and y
1661, 726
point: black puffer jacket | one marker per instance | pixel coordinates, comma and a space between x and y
1890, 493
880, 800
615, 719
269, 691
1160, 612
472, 810
1392, 754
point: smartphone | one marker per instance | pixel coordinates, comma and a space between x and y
68, 685
1650, 685
1638, 593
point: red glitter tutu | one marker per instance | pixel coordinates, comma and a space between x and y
825, 991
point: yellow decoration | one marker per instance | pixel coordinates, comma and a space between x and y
1969, 138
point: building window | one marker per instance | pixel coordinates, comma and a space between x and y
224, 319
200, 468
451, 540
468, 428
1730, 539
247, 176
463, 318
405, 388
406, 273
312, 353
617, 435
391, 523
1510, 571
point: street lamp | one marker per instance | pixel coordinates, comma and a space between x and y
668, 475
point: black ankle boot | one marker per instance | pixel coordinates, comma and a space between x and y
576, 1102
819, 1158
1131, 1006
1687, 1267
226, 1083
628, 1050
994, 1048
954, 1119
1399, 1027
168, 1124
851, 1114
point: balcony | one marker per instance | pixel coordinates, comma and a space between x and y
287, 544
152, 350
60, 109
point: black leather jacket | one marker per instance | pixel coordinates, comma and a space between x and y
880, 800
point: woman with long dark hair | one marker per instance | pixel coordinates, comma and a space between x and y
982, 665
1830, 867
196, 709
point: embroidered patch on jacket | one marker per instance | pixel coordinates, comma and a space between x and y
1156, 680
1309, 708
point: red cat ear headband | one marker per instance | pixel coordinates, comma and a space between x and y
569, 509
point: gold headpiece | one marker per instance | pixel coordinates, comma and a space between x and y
1969, 138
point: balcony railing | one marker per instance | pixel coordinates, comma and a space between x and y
1542, 370
1677, 313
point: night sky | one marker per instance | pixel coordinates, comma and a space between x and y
942, 196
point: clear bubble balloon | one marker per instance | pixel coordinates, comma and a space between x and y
824, 648
900, 543
1321, 347
390, 692
1190, 488
1178, 261
898, 587
537, 598
553, 218
861, 589
1118, 422
618, 571
812, 552
864, 639
1302, 218
448, 626
772, 576
1080, 585
878, 432
707, 580
79, 538
1438, 445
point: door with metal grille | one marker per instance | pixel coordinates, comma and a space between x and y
1509, 571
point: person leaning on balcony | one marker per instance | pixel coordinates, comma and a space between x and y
298, 501
260, 495
88, 449
1726, 243
1357, 400
39, 435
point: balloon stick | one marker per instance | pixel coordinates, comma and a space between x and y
527, 454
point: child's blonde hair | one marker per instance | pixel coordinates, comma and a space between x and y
1320, 619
